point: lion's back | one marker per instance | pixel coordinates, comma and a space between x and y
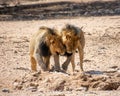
36, 38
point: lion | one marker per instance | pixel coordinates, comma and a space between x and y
43, 44
73, 39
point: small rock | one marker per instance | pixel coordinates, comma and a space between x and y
89, 6
117, 75
86, 13
93, 12
98, 78
19, 87
98, 7
118, 71
109, 85
89, 34
107, 11
15, 84
111, 71
117, 10
5, 90
15, 51
111, 12
114, 67
34, 84
101, 11
36, 74
66, 88
82, 89
32, 88
87, 60
118, 88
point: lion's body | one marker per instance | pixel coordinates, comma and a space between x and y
73, 38
43, 44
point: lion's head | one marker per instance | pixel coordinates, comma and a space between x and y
70, 37
55, 44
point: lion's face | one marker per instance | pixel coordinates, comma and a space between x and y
56, 46
70, 40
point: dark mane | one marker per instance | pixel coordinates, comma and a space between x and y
44, 49
76, 30
51, 31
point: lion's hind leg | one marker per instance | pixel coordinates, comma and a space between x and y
47, 62
81, 55
33, 63
73, 62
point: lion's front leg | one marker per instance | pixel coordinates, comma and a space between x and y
57, 64
66, 63
81, 55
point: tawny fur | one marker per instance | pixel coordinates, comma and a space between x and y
73, 39
43, 44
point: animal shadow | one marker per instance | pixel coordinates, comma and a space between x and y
94, 72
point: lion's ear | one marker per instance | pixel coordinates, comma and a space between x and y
55, 30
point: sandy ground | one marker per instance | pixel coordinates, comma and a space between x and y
102, 58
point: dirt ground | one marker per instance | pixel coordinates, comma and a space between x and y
101, 60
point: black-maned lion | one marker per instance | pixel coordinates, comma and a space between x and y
43, 44
73, 39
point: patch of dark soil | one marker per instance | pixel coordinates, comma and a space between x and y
59, 10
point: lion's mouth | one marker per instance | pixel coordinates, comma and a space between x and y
65, 54
57, 53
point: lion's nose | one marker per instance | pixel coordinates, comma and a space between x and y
57, 53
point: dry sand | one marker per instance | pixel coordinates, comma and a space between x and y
101, 61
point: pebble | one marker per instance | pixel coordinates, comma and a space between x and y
114, 67
15, 51
32, 89
6, 90
117, 10
81, 89
118, 88
117, 75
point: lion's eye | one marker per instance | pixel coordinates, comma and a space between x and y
68, 37
53, 42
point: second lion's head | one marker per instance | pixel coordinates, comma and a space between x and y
70, 37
